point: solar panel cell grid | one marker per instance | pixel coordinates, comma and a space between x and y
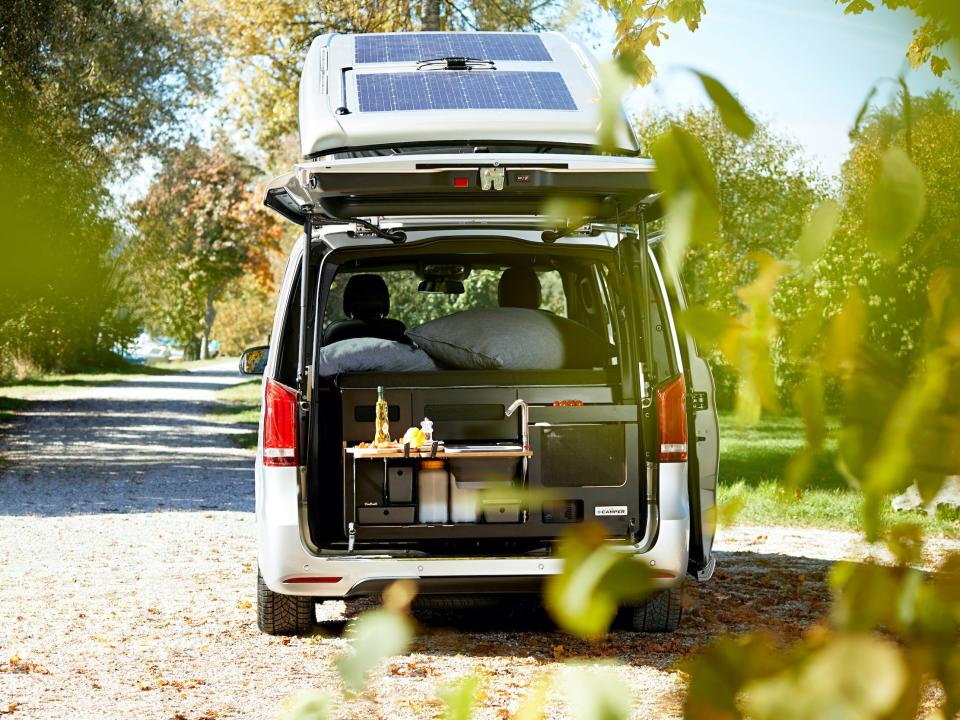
449, 90
416, 47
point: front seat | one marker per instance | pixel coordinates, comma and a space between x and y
520, 288
366, 303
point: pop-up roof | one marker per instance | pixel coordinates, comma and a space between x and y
363, 92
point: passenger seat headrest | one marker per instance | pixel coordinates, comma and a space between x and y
366, 297
520, 288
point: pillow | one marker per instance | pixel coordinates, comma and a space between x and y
510, 339
371, 355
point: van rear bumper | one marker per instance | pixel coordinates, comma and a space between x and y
288, 567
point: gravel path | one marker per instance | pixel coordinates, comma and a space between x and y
127, 573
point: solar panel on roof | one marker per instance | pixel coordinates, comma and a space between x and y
469, 90
415, 47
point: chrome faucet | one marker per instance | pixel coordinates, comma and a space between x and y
524, 420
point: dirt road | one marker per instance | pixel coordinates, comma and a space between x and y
127, 581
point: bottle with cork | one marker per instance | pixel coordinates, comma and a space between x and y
382, 435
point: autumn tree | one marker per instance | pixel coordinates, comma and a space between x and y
200, 228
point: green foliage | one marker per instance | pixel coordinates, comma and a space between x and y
595, 693
374, 636
746, 196
932, 39
734, 117
459, 698
87, 87
895, 204
596, 581
306, 705
642, 23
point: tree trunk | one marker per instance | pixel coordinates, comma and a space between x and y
207, 324
430, 14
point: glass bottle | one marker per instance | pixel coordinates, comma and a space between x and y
382, 434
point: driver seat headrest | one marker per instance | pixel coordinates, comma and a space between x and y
519, 287
366, 297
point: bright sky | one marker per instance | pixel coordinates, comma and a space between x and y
801, 65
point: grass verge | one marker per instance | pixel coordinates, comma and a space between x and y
240, 405
752, 463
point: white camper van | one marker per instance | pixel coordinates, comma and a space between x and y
458, 375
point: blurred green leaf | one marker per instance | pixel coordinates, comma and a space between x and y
595, 693
707, 326
730, 109
895, 204
688, 181
844, 335
800, 468
459, 699
374, 636
596, 580
306, 705
905, 543
533, 706
817, 232
614, 83
752, 354
718, 674
854, 677
683, 164
678, 229
808, 399
562, 211
862, 113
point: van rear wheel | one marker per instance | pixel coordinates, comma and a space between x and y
279, 614
661, 613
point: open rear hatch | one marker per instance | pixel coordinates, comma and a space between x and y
586, 188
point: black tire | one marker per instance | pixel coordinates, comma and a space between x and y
283, 614
661, 613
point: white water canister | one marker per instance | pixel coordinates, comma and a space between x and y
464, 502
432, 482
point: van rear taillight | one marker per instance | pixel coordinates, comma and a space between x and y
672, 419
279, 425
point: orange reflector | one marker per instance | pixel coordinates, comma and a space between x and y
319, 580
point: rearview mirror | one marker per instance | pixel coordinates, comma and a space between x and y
447, 287
254, 360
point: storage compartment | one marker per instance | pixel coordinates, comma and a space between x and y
464, 502
400, 480
507, 511
586, 458
383, 515
484, 473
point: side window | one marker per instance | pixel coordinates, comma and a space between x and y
552, 296
289, 345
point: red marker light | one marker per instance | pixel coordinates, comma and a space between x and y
461, 182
